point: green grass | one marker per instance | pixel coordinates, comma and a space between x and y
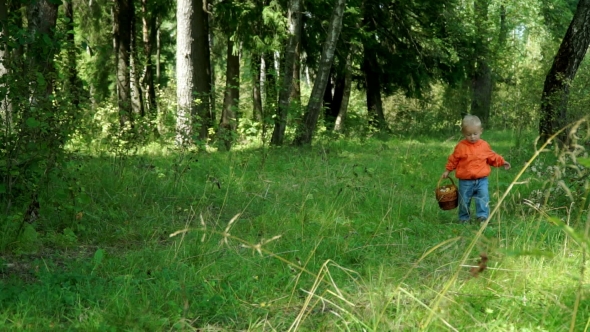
345, 236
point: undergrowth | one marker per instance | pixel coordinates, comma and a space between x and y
344, 236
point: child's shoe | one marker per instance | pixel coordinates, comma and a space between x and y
481, 219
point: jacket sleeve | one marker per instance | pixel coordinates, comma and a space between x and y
494, 159
453, 160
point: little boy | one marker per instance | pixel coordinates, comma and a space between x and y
471, 161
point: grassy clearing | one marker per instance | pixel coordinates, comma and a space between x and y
343, 236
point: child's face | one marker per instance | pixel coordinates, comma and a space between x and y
472, 133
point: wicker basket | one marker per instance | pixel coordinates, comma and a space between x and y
447, 195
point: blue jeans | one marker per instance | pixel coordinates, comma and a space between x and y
478, 190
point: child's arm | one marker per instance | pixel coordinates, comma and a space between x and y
452, 163
496, 160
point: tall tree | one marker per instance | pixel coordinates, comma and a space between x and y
269, 83
123, 15
193, 71
202, 68
481, 80
373, 87
339, 123
185, 70
73, 86
255, 65
228, 123
39, 128
371, 67
295, 97
404, 48
134, 69
42, 17
563, 71
294, 17
305, 131
149, 35
5, 113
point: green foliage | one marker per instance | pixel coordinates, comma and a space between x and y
35, 123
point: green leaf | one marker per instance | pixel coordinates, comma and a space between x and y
2, 188
46, 39
33, 123
41, 79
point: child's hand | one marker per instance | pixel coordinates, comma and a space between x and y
445, 174
506, 165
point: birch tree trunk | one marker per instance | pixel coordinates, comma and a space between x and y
136, 89
270, 83
305, 132
185, 73
257, 111
563, 71
5, 111
287, 81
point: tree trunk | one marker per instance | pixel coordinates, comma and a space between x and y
158, 54
370, 67
339, 86
73, 84
202, 68
257, 111
563, 71
40, 132
305, 131
482, 76
5, 109
228, 123
373, 87
149, 31
339, 89
185, 72
328, 97
136, 90
503, 27
482, 91
270, 84
296, 86
340, 119
213, 78
42, 17
285, 91
91, 87
122, 19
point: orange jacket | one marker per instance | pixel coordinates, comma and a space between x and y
472, 160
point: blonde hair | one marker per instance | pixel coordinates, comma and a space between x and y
470, 120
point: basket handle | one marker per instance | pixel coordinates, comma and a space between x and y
448, 177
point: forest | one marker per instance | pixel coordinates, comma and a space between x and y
272, 165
